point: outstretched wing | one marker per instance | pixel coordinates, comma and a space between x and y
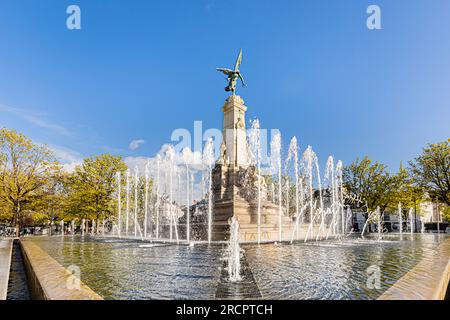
242, 79
238, 61
225, 71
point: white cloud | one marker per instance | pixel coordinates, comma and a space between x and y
135, 144
68, 158
35, 119
180, 159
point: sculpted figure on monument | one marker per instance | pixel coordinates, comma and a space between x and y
247, 182
233, 75
239, 124
223, 154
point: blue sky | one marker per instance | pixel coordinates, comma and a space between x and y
137, 70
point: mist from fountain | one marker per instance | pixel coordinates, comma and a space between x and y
340, 189
136, 184
186, 157
157, 200
321, 208
379, 225
411, 220
169, 161
308, 160
275, 147
119, 204
147, 170
234, 252
127, 208
255, 147
349, 218
293, 156
208, 160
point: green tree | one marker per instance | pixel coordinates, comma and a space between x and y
407, 192
26, 170
90, 189
431, 170
370, 182
446, 213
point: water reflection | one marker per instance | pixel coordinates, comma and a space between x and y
120, 269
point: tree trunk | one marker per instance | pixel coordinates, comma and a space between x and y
17, 223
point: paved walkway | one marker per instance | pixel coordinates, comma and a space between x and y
5, 265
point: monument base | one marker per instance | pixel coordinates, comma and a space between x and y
234, 195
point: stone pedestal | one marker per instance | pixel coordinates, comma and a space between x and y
233, 131
235, 185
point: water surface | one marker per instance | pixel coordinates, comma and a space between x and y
121, 269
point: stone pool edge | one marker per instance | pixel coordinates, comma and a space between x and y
428, 280
47, 279
5, 267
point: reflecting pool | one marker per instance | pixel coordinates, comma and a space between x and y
128, 269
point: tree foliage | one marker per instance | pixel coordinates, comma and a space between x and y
90, 189
431, 170
26, 170
371, 182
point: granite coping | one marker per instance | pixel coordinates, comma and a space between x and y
49, 280
428, 280
5, 265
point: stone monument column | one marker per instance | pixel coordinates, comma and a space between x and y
233, 133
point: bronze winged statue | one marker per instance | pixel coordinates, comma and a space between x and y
233, 75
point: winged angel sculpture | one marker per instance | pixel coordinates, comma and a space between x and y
233, 75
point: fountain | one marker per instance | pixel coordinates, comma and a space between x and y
255, 146
82, 227
293, 156
169, 206
157, 204
295, 206
379, 216
147, 168
276, 164
136, 184
422, 225
127, 210
234, 206
119, 204
411, 220
186, 156
234, 252
340, 183
308, 161
208, 158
